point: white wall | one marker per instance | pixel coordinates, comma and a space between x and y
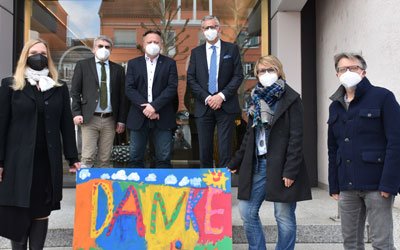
371, 27
6, 37
286, 45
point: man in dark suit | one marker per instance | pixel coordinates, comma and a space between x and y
98, 103
214, 76
151, 87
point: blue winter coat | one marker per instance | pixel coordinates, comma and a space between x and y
364, 141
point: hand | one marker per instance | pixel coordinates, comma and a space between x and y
335, 196
287, 182
155, 116
1, 174
215, 102
78, 120
384, 194
148, 111
233, 171
120, 128
76, 166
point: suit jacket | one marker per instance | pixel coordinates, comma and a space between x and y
18, 120
164, 92
230, 76
85, 90
284, 157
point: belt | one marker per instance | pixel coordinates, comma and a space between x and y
103, 115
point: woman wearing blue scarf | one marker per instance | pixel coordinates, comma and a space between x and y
270, 161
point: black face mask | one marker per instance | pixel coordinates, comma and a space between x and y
37, 62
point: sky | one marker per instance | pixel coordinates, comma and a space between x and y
83, 18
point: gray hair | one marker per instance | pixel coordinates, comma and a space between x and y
350, 56
103, 38
210, 17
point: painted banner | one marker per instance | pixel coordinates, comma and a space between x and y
157, 209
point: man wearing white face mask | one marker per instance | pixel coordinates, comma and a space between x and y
151, 87
364, 158
99, 105
214, 76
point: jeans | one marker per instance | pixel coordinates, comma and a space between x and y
284, 214
162, 140
355, 207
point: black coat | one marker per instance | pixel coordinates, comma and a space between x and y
284, 157
164, 92
85, 90
18, 120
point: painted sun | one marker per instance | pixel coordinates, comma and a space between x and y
216, 179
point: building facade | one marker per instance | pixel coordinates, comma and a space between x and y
305, 35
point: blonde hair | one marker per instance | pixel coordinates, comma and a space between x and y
19, 75
272, 60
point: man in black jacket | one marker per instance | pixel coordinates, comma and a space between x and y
214, 76
98, 103
151, 87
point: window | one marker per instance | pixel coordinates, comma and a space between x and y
248, 70
125, 38
170, 43
247, 41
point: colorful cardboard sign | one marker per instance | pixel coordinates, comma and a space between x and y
153, 209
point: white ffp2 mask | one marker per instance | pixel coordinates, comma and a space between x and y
152, 49
350, 79
211, 34
267, 79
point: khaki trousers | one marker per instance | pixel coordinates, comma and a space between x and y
97, 137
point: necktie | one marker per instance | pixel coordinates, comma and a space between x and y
103, 87
212, 77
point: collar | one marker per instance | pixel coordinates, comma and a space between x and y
217, 44
106, 62
148, 58
361, 88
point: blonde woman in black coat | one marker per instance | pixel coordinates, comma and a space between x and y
270, 160
35, 126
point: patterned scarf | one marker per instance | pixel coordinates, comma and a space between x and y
261, 101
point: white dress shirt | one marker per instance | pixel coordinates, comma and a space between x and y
151, 68
98, 68
209, 51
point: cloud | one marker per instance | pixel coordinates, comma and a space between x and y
170, 180
151, 177
195, 182
120, 175
184, 181
84, 173
134, 177
105, 176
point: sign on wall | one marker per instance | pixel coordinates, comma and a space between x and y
153, 209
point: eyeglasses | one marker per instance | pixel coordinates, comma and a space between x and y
354, 68
210, 27
262, 71
105, 46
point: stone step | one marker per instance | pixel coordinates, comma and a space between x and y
57, 237
314, 224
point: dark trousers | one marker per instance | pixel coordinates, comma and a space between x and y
205, 127
162, 141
